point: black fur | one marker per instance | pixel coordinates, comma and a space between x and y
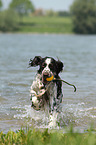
55, 66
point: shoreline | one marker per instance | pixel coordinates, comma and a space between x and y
45, 33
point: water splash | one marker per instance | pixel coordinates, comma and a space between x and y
71, 114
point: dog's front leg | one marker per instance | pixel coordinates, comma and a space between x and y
53, 106
35, 101
53, 119
53, 116
36, 93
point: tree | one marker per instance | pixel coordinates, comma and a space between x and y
1, 4
22, 6
9, 21
84, 16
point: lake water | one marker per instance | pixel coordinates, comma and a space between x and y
78, 52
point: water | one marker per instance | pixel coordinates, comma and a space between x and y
78, 53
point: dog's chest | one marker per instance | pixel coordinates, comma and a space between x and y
43, 96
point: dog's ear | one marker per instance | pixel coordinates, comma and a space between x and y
59, 66
36, 61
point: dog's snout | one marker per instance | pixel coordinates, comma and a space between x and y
46, 74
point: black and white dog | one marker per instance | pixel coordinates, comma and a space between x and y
46, 90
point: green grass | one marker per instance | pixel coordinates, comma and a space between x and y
37, 137
46, 24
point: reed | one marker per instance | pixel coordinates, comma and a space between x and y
47, 137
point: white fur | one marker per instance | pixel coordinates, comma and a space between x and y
35, 101
48, 61
53, 120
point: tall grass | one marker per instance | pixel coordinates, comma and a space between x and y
37, 137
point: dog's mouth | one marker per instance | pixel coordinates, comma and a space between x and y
47, 77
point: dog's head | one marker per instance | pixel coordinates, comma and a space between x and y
48, 66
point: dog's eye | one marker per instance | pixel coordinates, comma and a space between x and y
51, 66
44, 65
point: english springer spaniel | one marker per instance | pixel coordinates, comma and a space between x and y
46, 89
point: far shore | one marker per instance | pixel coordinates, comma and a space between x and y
44, 25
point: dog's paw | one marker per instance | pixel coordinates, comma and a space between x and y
35, 103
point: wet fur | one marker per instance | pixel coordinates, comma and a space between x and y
52, 97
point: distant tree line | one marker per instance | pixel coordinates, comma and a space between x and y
58, 13
83, 13
64, 13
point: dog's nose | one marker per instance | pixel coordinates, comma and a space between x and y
46, 74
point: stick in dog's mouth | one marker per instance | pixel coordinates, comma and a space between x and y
51, 78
